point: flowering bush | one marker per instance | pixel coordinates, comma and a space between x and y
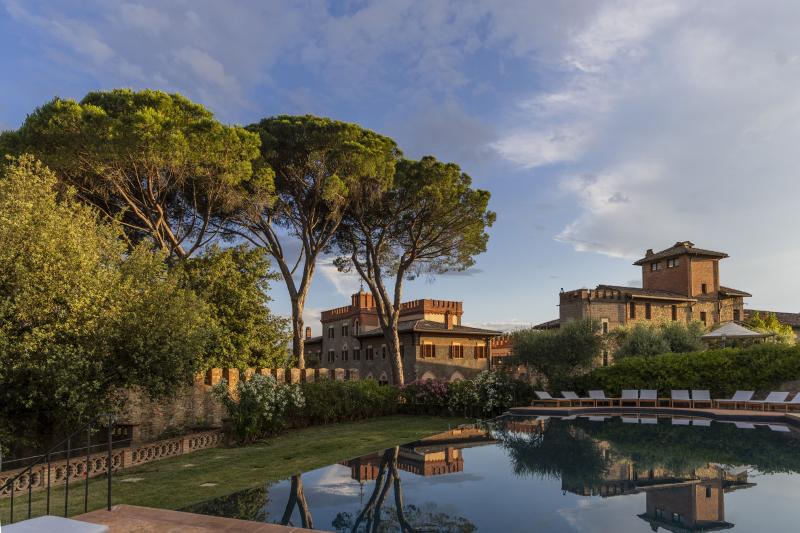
495, 393
259, 406
425, 396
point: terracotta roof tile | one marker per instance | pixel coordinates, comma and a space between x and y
680, 248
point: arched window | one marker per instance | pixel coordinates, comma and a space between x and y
427, 376
383, 379
457, 376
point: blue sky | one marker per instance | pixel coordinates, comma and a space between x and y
602, 128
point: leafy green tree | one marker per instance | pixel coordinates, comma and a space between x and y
682, 337
159, 163
641, 339
317, 164
560, 353
234, 282
784, 333
430, 221
81, 314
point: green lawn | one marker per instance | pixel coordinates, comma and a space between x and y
175, 483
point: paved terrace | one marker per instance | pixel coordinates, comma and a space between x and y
131, 518
744, 415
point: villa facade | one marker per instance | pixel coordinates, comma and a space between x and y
679, 284
433, 342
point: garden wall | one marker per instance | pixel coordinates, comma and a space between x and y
194, 408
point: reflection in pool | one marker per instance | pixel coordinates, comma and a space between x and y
548, 474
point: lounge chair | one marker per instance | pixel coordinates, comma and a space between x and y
545, 398
598, 418
702, 422
575, 399
648, 395
701, 396
630, 419
744, 425
740, 398
678, 421
773, 399
793, 403
599, 397
680, 396
648, 420
629, 396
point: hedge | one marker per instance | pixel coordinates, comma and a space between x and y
328, 401
761, 367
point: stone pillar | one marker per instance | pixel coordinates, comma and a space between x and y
339, 374
127, 457
280, 375
265, 371
294, 375
352, 374
308, 375
249, 373
231, 375
214, 375
324, 373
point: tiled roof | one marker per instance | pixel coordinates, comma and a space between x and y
648, 293
680, 248
792, 319
550, 324
314, 340
733, 292
432, 326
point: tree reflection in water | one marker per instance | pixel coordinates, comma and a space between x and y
297, 498
408, 519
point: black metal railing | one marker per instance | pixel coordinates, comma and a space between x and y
65, 449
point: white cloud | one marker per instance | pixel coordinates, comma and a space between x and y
345, 284
695, 137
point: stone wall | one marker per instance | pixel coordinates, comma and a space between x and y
194, 407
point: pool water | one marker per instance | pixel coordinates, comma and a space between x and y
604, 474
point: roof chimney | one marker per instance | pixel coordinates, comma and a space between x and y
648, 252
448, 320
308, 332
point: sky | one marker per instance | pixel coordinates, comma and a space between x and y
600, 127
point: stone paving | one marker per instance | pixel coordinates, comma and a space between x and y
132, 518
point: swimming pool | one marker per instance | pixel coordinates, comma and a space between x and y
593, 474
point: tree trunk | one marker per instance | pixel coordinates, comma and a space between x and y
298, 335
393, 344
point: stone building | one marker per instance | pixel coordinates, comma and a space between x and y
433, 342
680, 283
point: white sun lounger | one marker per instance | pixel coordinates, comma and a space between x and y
648, 420
794, 402
600, 397
680, 421
744, 425
779, 427
547, 399
648, 395
701, 396
570, 395
630, 419
773, 399
702, 422
679, 396
629, 396
741, 397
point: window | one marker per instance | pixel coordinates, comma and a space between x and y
648, 312
708, 492
703, 317
344, 354
345, 330
674, 312
677, 518
383, 351
356, 354
402, 350
672, 263
331, 333
659, 512
655, 266
480, 351
370, 355
604, 322
704, 288
736, 315
428, 350
356, 327
456, 351
633, 310
331, 356
605, 357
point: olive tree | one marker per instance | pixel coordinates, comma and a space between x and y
429, 221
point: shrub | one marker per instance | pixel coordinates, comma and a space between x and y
328, 401
430, 397
759, 367
259, 407
643, 339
